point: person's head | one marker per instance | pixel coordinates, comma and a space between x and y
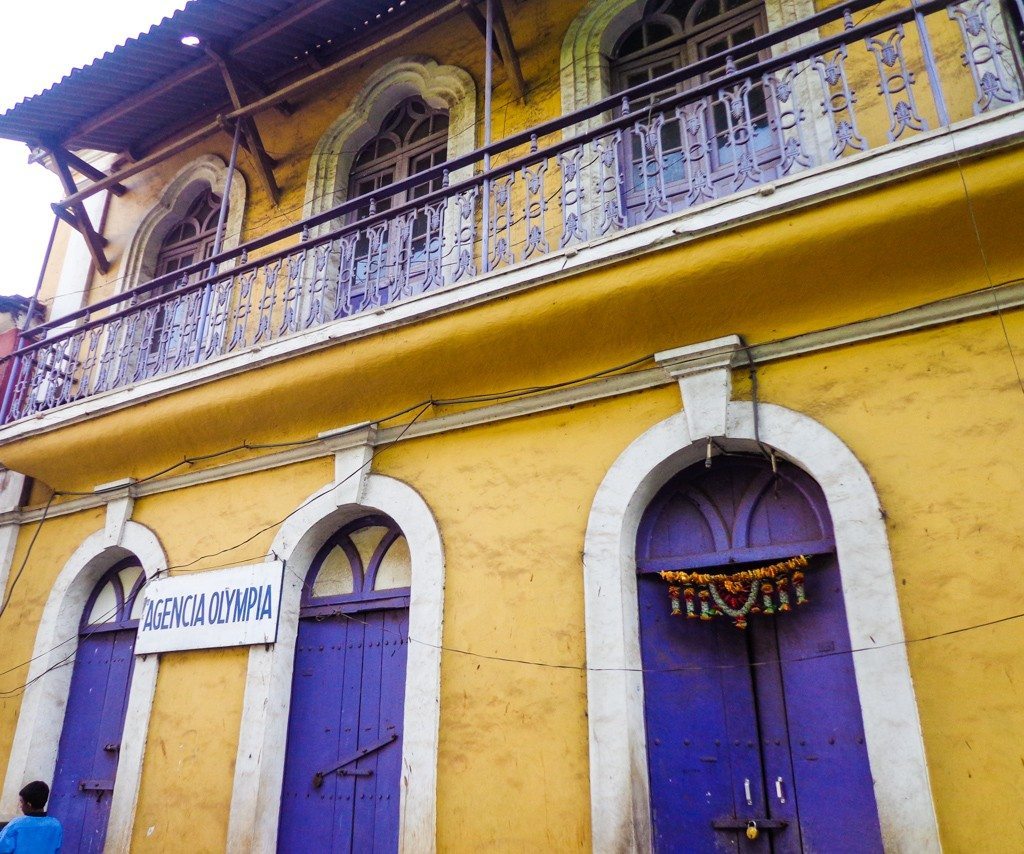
34, 796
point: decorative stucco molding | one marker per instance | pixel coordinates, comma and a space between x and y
620, 800
591, 38
441, 86
192, 179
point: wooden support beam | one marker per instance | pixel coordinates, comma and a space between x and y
256, 86
510, 56
65, 215
82, 167
254, 144
94, 241
311, 83
504, 47
92, 173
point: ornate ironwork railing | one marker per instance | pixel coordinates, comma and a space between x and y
838, 83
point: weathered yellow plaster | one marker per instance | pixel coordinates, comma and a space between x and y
935, 417
512, 501
190, 754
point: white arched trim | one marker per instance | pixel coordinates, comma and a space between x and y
620, 805
441, 86
41, 718
259, 767
207, 171
589, 41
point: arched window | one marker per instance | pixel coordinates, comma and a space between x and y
341, 788
192, 238
90, 741
167, 332
412, 138
727, 137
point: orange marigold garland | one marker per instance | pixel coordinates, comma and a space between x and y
736, 595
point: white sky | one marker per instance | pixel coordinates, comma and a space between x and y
43, 42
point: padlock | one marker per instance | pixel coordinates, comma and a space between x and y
752, 830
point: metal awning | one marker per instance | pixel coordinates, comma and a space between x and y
152, 86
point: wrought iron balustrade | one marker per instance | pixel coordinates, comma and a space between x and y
838, 83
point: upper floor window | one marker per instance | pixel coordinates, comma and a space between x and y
733, 123
194, 236
412, 138
675, 33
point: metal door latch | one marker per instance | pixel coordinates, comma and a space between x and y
745, 823
318, 777
97, 786
778, 790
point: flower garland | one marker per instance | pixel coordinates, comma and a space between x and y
736, 595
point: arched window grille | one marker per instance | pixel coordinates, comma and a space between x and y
673, 34
115, 602
164, 336
366, 565
412, 138
193, 238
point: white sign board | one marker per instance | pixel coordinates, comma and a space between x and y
202, 610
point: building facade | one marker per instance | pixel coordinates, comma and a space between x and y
606, 441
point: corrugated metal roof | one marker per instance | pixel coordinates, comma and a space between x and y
269, 38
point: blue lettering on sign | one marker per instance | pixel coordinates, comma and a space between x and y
231, 605
266, 604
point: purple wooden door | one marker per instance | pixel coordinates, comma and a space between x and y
343, 760
758, 724
90, 741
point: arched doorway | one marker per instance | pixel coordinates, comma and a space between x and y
342, 769
758, 724
90, 741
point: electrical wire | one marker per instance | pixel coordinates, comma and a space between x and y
422, 408
985, 263
485, 398
695, 668
28, 553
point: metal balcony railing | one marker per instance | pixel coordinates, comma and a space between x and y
843, 81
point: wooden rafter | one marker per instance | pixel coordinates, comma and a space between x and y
82, 167
505, 49
261, 35
313, 82
254, 144
78, 216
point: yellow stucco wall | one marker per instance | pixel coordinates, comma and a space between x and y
193, 736
934, 416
